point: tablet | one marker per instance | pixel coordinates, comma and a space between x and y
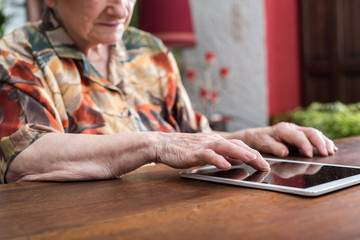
289, 176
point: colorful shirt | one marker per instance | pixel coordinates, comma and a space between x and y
48, 85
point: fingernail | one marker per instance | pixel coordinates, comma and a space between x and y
284, 152
309, 153
325, 151
226, 165
266, 166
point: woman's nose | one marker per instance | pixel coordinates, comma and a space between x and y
118, 9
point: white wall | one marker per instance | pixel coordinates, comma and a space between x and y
235, 31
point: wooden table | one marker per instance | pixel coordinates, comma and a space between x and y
153, 202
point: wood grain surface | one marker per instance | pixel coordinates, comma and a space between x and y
153, 202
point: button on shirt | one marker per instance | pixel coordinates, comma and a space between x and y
48, 85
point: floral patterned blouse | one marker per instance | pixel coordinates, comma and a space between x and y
48, 85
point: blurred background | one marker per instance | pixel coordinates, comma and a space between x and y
251, 63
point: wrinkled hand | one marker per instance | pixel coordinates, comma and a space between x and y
184, 150
273, 140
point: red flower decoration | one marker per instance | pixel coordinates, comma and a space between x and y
191, 75
210, 57
224, 72
203, 93
214, 96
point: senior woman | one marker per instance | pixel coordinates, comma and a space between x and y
83, 96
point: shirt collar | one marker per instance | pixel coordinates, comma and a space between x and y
65, 47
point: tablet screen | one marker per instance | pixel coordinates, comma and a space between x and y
288, 173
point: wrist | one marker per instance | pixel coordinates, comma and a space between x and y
158, 141
152, 142
240, 135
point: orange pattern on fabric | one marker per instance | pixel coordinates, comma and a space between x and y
69, 63
170, 93
145, 92
10, 122
25, 70
147, 110
65, 123
162, 60
35, 93
86, 114
4, 53
53, 123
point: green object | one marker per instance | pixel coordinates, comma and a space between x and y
335, 120
4, 19
135, 17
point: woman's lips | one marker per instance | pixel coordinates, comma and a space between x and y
111, 25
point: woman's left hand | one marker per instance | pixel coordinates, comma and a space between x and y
274, 139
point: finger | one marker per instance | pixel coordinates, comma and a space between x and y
241, 144
269, 145
317, 139
227, 148
264, 166
233, 161
236, 149
323, 144
298, 138
330, 145
208, 156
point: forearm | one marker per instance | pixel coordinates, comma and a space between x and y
65, 157
70, 157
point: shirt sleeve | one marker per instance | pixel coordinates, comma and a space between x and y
26, 112
12, 145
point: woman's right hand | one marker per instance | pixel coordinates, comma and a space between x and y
88, 157
184, 150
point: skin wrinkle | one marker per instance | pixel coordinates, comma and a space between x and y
131, 149
92, 32
96, 164
84, 157
63, 162
214, 149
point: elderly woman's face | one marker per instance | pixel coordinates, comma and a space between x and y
92, 22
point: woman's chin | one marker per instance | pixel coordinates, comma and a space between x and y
110, 38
